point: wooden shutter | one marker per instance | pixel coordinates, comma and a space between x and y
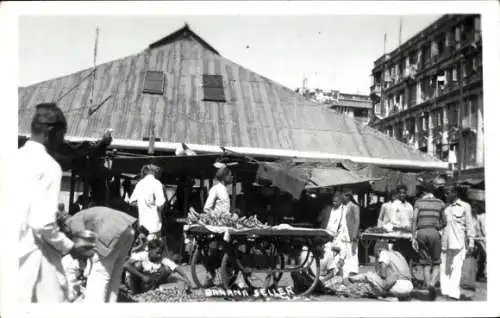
213, 88
154, 82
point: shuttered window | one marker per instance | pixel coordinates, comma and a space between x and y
213, 88
154, 82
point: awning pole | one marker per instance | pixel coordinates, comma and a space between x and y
72, 192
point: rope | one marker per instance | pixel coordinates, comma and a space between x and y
77, 84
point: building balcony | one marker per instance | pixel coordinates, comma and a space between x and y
376, 92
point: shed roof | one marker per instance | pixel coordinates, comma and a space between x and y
258, 114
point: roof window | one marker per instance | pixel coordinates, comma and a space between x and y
154, 82
213, 88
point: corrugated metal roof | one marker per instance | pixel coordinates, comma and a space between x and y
258, 113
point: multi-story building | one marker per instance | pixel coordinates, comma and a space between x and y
356, 106
428, 92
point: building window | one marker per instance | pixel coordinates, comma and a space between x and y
154, 82
453, 115
412, 98
470, 149
457, 34
213, 88
477, 24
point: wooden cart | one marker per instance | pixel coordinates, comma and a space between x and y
257, 257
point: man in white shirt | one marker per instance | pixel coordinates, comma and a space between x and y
150, 198
386, 210
36, 187
458, 237
218, 202
400, 212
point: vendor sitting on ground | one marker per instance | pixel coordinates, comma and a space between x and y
392, 276
148, 268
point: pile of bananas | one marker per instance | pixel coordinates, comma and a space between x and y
228, 220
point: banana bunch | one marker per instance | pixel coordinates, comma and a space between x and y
228, 220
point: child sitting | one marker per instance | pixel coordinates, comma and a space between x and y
149, 268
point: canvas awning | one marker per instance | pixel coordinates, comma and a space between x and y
323, 178
294, 176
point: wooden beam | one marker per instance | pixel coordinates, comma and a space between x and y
264, 152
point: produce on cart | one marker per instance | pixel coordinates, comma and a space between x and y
252, 253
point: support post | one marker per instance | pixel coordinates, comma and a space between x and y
86, 184
202, 190
72, 192
233, 198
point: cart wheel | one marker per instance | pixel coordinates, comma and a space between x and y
306, 279
202, 265
229, 270
265, 280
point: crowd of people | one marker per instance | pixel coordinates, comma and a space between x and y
109, 247
442, 234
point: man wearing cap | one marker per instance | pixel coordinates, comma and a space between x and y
428, 220
150, 198
458, 238
36, 187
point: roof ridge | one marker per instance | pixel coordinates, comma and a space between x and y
182, 32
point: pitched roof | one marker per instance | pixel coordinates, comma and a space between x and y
258, 113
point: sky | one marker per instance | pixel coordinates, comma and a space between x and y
331, 51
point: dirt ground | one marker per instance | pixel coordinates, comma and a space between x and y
480, 294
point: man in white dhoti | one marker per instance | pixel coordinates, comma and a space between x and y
333, 219
150, 198
458, 237
352, 217
36, 187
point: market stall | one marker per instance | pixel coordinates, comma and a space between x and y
252, 251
